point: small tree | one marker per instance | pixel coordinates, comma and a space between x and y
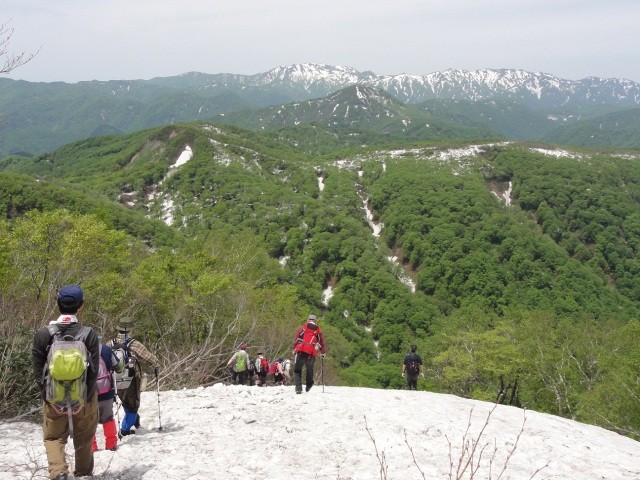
10, 61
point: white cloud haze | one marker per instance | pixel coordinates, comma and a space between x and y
119, 39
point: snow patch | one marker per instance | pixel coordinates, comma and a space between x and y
327, 294
283, 260
184, 157
167, 211
199, 426
402, 274
558, 153
507, 195
458, 153
376, 227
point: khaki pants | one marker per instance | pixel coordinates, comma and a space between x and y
55, 427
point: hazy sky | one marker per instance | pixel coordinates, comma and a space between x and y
141, 39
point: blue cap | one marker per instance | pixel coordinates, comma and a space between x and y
71, 294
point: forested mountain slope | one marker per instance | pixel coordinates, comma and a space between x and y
618, 129
360, 109
515, 264
40, 117
508, 119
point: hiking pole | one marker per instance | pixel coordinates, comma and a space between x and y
158, 388
117, 400
322, 371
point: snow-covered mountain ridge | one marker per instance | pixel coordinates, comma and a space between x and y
539, 90
514, 104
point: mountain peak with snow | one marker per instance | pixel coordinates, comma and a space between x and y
533, 89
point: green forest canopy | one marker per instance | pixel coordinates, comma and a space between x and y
539, 297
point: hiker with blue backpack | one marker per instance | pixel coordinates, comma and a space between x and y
129, 385
105, 384
65, 359
412, 368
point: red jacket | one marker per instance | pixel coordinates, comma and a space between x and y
309, 339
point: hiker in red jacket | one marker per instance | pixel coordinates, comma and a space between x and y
307, 343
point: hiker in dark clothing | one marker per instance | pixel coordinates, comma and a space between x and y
412, 367
307, 343
129, 389
56, 425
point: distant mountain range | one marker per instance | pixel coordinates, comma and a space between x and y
512, 104
306, 81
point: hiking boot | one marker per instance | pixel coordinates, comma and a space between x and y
124, 433
308, 388
61, 476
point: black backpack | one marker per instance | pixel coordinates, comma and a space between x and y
413, 365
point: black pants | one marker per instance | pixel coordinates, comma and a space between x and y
242, 377
308, 360
130, 396
412, 381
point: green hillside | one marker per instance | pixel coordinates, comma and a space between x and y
21, 194
508, 119
41, 117
537, 294
618, 130
360, 110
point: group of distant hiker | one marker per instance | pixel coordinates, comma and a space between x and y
258, 371
308, 343
80, 377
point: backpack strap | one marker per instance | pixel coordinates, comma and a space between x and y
54, 330
83, 334
123, 345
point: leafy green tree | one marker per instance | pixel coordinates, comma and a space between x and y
476, 363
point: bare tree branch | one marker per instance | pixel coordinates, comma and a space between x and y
384, 467
11, 61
